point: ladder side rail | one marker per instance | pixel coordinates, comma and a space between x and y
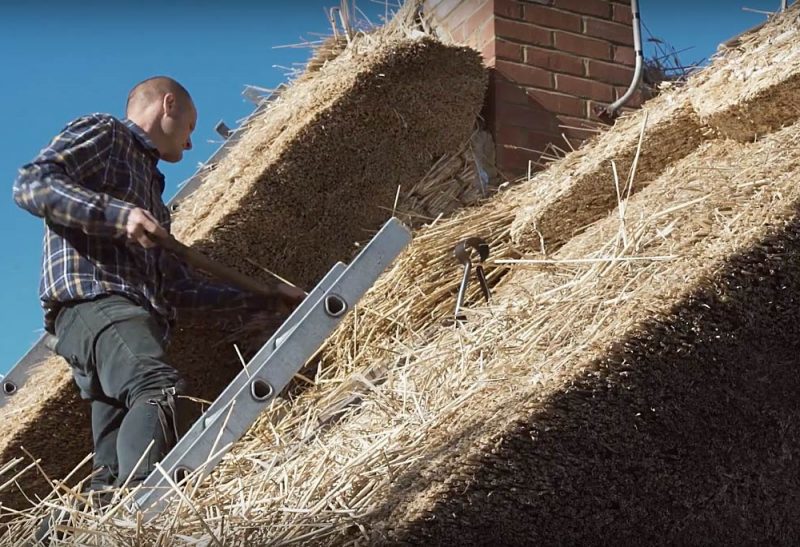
293, 319
275, 372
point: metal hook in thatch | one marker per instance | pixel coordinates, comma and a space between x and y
462, 254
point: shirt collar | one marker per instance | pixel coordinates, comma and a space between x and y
140, 134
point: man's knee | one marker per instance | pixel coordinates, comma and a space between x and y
140, 377
169, 403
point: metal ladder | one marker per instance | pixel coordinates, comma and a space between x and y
271, 369
22, 371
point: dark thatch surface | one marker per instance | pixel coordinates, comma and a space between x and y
688, 434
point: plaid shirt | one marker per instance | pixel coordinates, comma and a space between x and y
84, 184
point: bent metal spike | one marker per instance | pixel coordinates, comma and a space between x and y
462, 254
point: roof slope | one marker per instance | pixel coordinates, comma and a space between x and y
309, 180
636, 382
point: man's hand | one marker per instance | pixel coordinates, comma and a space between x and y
143, 228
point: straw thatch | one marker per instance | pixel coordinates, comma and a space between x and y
575, 191
46, 418
753, 91
634, 385
373, 124
307, 182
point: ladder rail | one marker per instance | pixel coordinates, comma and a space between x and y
278, 337
273, 367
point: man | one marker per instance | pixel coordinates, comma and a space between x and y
109, 292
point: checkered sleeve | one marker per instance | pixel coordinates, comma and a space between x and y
184, 289
58, 184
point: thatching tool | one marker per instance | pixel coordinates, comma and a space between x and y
462, 254
288, 294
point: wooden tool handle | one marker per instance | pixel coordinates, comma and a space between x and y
200, 261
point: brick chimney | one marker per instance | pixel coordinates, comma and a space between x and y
552, 61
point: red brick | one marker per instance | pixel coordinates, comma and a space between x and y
598, 8
508, 50
486, 34
523, 32
441, 8
538, 141
552, 18
464, 10
509, 93
508, 8
581, 45
479, 17
608, 72
553, 60
581, 87
579, 128
489, 53
478, 37
581, 123
624, 55
559, 103
636, 99
505, 134
513, 162
525, 74
622, 14
521, 115
458, 34
615, 32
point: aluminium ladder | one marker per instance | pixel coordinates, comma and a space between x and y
271, 369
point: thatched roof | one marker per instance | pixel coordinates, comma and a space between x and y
309, 179
634, 382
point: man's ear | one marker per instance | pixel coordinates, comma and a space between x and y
169, 103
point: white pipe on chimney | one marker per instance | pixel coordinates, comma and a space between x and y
611, 110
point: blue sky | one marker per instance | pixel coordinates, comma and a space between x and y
60, 60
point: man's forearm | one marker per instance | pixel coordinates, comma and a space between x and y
45, 192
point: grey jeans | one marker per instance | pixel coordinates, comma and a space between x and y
116, 352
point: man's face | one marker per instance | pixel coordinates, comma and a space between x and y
177, 124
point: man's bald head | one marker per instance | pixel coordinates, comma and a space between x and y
165, 111
153, 90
